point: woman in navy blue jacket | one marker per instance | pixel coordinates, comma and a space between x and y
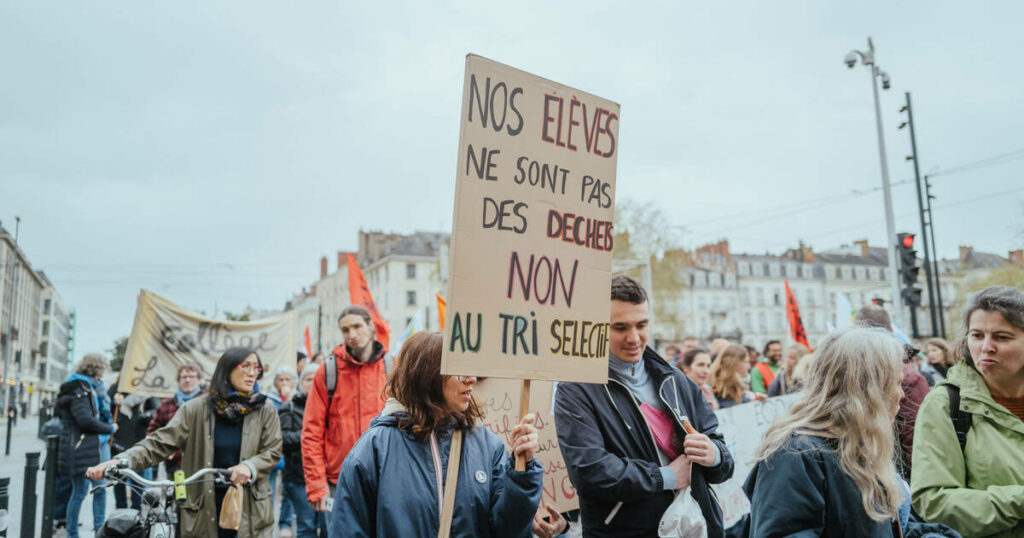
392, 482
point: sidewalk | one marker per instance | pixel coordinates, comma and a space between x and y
23, 441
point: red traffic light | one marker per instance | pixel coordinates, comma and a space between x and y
907, 240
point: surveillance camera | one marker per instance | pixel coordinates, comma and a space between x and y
885, 81
851, 59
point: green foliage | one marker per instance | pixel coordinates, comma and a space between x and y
1008, 275
235, 317
117, 353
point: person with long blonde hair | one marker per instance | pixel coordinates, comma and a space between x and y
828, 468
727, 373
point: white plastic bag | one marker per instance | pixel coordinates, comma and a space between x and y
683, 518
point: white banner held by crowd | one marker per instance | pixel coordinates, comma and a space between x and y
166, 335
743, 426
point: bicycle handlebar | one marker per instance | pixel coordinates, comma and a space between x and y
118, 471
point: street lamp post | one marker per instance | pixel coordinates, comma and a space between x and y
868, 59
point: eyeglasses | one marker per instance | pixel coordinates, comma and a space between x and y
250, 368
464, 378
187, 377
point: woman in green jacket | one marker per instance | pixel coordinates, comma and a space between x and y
232, 428
977, 486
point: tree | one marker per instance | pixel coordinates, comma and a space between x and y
117, 353
645, 228
644, 234
1008, 275
236, 317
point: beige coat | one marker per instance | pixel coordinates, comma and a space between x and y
192, 429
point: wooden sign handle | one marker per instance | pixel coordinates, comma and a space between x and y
524, 408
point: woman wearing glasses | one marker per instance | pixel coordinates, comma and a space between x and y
396, 477
229, 428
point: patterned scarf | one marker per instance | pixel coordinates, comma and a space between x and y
234, 405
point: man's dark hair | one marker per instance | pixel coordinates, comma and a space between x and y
357, 310
221, 379
873, 316
750, 348
628, 290
766, 346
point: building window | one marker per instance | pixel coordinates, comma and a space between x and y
746, 322
43, 348
410, 298
778, 299
410, 271
760, 322
46, 328
701, 303
745, 297
759, 296
46, 307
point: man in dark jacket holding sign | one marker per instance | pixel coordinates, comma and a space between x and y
626, 444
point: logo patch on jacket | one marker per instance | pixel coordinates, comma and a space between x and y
480, 476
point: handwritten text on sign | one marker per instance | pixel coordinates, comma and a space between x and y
499, 399
532, 232
166, 335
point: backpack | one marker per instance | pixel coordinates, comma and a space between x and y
331, 379
961, 419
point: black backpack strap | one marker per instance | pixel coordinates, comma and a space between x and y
960, 418
331, 380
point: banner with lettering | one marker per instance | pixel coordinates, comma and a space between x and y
166, 335
499, 399
531, 248
743, 426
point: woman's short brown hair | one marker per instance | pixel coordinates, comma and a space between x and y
92, 365
418, 384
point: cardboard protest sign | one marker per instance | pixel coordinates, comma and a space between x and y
531, 246
166, 336
499, 399
743, 426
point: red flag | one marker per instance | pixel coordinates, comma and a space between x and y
796, 325
442, 305
309, 348
359, 293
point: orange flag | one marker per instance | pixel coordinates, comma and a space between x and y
796, 324
309, 348
442, 305
359, 293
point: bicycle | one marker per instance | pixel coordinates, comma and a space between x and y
159, 514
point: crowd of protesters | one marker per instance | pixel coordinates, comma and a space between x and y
883, 438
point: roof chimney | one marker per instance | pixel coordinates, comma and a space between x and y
965, 252
323, 266
1017, 256
341, 260
864, 249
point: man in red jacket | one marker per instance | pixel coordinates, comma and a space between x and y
331, 425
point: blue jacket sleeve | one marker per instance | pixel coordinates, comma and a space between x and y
355, 502
786, 498
514, 495
592, 469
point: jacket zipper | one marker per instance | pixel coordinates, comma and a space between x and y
618, 505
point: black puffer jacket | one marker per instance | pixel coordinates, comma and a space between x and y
79, 438
291, 431
612, 459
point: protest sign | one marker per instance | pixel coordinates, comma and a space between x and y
743, 426
531, 246
499, 399
166, 336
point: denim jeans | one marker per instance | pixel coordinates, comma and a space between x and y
61, 498
307, 519
79, 489
285, 517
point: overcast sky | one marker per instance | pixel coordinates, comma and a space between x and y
212, 152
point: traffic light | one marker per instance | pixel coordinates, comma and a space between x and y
908, 269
